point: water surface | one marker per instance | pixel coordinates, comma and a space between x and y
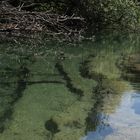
56, 91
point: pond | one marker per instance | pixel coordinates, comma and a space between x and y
63, 91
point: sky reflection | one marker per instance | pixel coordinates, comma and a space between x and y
124, 118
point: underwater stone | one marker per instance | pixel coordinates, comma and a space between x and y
51, 126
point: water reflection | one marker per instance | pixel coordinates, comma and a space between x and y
101, 127
115, 115
99, 134
136, 103
49, 93
125, 117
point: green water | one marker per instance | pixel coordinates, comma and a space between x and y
50, 90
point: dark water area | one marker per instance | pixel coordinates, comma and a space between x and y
63, 91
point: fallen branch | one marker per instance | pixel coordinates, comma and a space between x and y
14, 20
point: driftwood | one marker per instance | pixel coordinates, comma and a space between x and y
17, 22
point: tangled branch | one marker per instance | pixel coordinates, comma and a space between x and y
17, 22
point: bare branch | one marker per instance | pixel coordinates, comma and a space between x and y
17, 20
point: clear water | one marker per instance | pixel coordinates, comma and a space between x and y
124, 123
54, 91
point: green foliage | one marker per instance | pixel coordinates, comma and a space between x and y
108, 13
99, 14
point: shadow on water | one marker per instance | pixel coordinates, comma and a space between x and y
44, 82
70, 86
20, 85
52, 127
97, 126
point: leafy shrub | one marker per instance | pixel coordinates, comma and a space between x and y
114, 13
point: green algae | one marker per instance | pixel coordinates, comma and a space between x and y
44, 99
38, 105
58, 92
72, 121
12, 77
44, 70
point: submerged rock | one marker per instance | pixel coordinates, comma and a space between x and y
51, 126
